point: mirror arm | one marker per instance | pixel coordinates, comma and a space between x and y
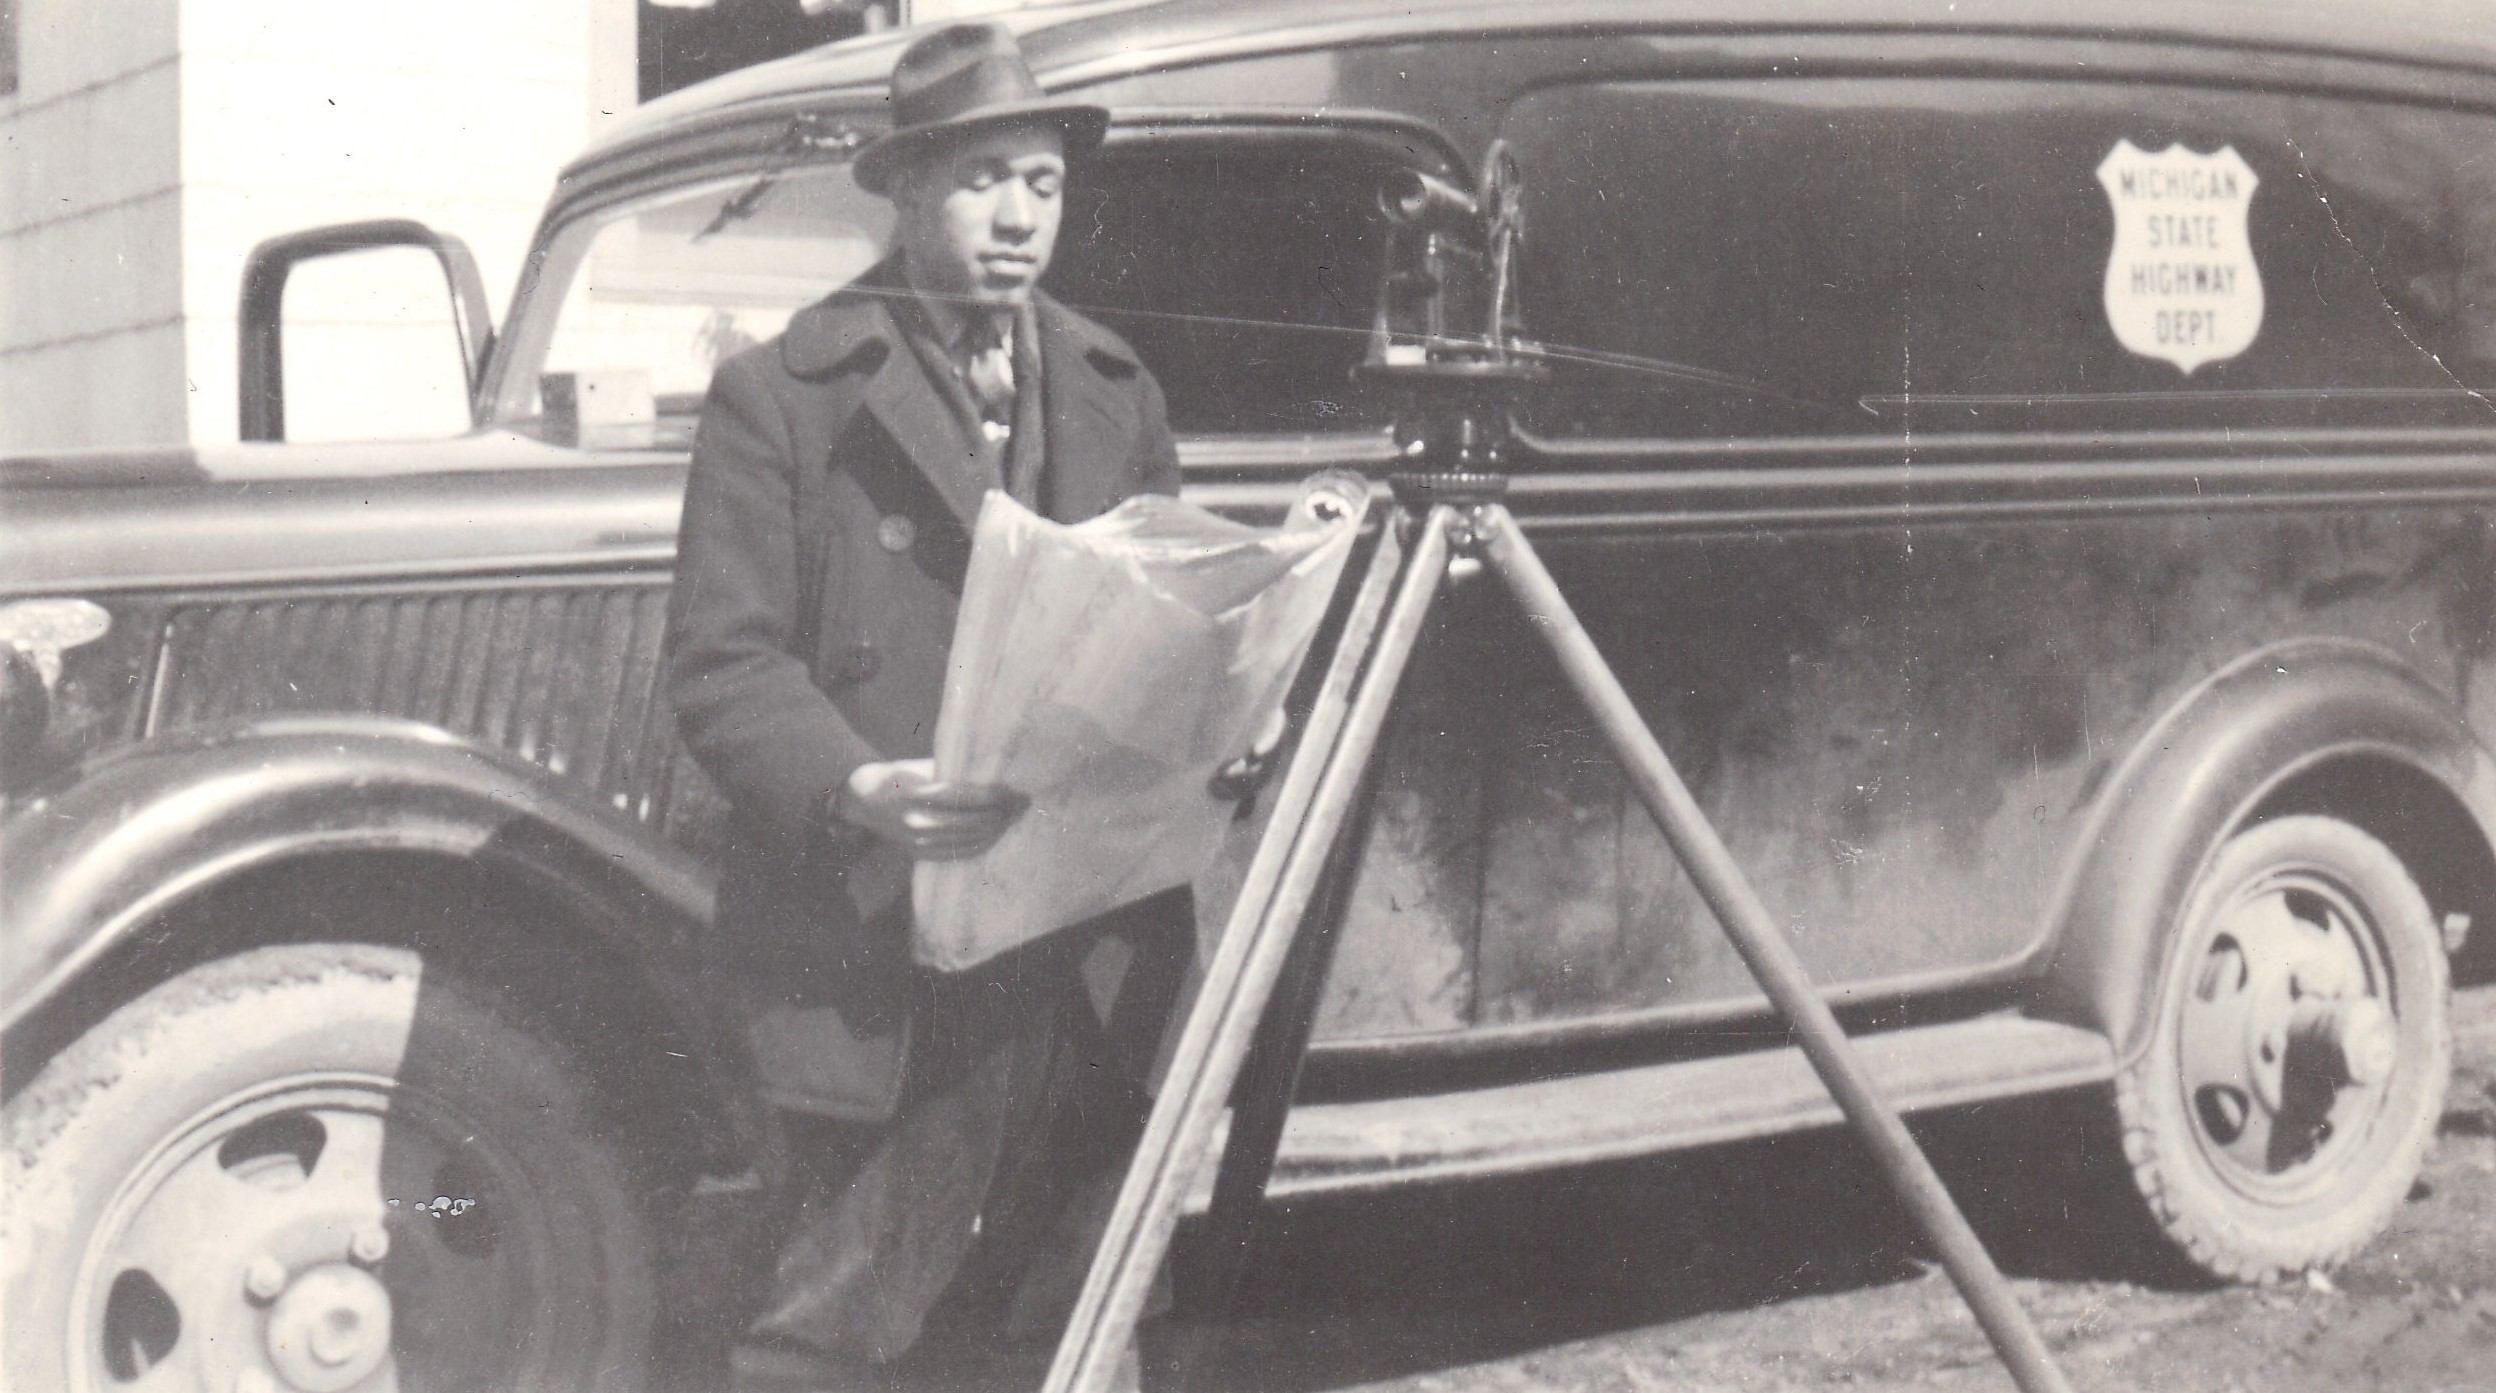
470, 313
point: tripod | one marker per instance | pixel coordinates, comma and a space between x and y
1247, 1033
1305, 860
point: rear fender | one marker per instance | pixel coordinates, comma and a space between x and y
2206, 769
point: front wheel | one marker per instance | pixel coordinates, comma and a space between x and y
316, 1168
2297, 1065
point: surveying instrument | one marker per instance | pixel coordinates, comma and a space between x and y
1451, 255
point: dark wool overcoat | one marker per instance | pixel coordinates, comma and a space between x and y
826, 531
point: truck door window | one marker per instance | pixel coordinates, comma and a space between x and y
1242, 269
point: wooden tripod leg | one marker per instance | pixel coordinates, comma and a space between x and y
1261, 1102
1772, 960
1310, 811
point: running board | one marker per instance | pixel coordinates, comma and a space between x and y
1334, 1148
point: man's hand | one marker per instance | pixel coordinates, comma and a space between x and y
902, 802
1242, 777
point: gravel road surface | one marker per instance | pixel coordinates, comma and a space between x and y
1784, 1266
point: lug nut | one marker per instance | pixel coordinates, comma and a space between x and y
264, 1279
370, 1245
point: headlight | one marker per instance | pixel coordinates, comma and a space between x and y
33, 636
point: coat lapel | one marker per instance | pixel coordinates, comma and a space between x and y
856, 328
906, 404
1091, 419
1087, 407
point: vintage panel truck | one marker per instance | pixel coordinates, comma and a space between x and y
2033, 464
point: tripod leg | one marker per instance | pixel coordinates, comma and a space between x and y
1317, 796
1771, 959
1270, 1075
1262, 1101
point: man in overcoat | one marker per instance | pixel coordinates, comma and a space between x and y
836, 475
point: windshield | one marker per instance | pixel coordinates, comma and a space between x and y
648, 299
1242, 268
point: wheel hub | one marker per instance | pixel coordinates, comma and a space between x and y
2286, 1042
319, 1168
258, 1252
2275, 1113
2351, 1040
330, 1330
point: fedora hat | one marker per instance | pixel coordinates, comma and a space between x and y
962, 78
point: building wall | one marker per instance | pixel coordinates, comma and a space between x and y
91, 297
151, 143
456, 113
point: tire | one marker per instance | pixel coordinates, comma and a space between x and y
2297, 1065
310, 1167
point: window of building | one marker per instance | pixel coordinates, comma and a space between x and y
682, 42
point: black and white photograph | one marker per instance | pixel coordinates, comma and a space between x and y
1248, 696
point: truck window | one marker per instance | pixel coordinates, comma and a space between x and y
1881, 256
655, 296
1243, 270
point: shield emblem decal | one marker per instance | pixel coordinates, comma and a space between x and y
2181, 283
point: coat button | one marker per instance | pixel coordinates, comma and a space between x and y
896, 533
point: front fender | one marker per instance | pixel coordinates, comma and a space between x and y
153, 824
2200, 772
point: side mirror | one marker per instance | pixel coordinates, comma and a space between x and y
265, 273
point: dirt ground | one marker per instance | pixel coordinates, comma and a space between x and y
1783, 1266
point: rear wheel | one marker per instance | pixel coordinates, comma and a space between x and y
2299, 1058
310, 1169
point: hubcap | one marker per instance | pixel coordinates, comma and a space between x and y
330, 1330
2287, 1040
301, 1238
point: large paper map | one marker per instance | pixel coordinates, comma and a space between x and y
1106, 670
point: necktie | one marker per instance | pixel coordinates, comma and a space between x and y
988, 368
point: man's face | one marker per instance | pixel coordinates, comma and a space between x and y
978, 217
